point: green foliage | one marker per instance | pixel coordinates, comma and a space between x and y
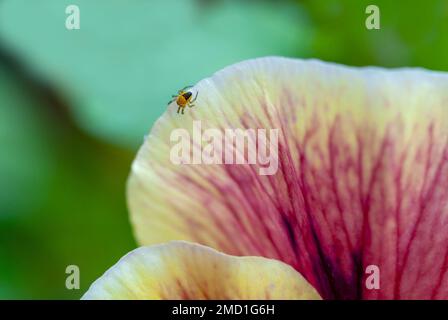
119, 70
413, 33
62, 198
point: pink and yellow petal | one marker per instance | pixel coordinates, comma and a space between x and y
362, 176
181, 270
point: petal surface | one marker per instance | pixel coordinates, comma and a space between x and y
182, 270
361, 179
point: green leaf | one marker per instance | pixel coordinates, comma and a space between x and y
119, 69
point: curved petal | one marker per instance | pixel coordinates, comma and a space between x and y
362, 175
182, 270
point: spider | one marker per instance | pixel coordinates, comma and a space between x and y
184, 98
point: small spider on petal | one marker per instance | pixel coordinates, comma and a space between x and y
184, 98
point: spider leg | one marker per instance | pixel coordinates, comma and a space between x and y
183, 110
191, 105
178, 109
195, 97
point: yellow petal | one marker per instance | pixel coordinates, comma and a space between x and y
362, 175
182, 270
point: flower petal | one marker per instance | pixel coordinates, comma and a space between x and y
362, 176
181, 270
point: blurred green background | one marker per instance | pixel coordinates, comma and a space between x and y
75, 104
